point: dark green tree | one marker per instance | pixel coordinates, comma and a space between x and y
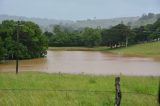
2, 49
117, 36
91, 37
32, 43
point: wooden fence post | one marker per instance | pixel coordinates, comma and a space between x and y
118, 92
159, 93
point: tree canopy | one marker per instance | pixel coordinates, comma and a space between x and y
32, 43
91, 37
116, 36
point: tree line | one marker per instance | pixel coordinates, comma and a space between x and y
116, 36
32, 42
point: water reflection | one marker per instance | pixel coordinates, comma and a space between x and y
89, 63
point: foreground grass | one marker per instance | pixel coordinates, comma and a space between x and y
37, 89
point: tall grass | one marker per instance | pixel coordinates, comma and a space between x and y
42, 89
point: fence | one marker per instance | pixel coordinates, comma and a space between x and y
117, 92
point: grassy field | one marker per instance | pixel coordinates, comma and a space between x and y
78, 48
146, 49
37, 89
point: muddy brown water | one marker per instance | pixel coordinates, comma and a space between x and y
88, 62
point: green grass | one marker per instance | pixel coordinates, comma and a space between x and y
78, 48
28, 82
146, 49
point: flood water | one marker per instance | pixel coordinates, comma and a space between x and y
88, 62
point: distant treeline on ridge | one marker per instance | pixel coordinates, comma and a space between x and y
116, 36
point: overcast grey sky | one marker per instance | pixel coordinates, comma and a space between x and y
78, 9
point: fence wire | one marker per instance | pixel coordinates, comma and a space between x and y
84, 91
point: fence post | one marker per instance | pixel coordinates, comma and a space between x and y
118, 92
159, 92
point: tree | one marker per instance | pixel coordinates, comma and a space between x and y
151, 15
57, 29
2, 50
64, 36
155, 29
108, 38
118, 35
91, 37
31, 36
32, 43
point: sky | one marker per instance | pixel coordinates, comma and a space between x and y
78, 9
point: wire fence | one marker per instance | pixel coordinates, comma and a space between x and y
117, 92
85, 91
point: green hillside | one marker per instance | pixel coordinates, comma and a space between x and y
146, 49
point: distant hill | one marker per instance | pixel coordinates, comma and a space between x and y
145, 19
105, 23
43, 23
47, 24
